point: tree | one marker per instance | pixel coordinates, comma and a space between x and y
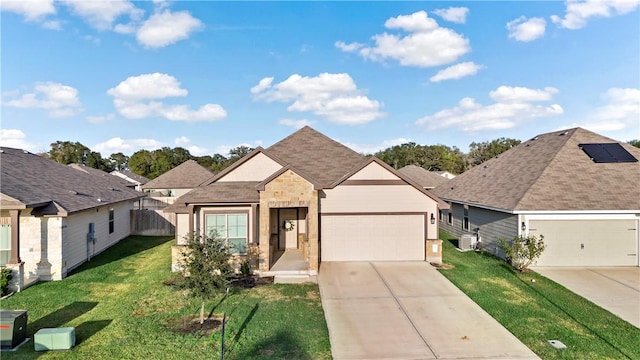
523, 250
66, 152
237, 153
140, 163
483, 151
119, 160
635, 143
206, 268
430, 157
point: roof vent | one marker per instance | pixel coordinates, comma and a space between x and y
99, 200
564, 133
73, 192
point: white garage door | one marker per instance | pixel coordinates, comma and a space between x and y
372, 237
587, 242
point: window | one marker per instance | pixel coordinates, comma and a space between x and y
111, 221
232, 228
440, 216
449, 217
5, 244
465, 219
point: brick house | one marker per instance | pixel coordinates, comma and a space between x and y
312, 198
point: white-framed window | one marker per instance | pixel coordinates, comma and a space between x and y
465, 218
232, 227
5, 244
440, 216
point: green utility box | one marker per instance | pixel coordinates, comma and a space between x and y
63, 338
13, 328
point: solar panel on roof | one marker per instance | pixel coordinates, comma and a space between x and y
607, 153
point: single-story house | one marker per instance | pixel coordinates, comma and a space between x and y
310, 195
135, 180
99, 173
54, 218
178, 181
578, 189
425, 178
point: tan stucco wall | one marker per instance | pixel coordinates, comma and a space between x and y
289, 187
257, 168
373, 171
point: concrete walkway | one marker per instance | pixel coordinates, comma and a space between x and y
407, 310
616, 289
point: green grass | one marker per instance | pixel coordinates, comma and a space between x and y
542, 310
122, 310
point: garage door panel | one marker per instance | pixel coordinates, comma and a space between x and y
587, 242
372, 237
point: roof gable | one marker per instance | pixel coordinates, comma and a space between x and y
187, 175
255, 166
316, 155
549, 172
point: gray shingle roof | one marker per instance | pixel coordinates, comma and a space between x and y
422, 176
550, 172
187, 175
316, 155
100, 173
139, 178
56, 188
219, 192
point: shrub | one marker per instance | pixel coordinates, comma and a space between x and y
523, 250
245, 268
5, 276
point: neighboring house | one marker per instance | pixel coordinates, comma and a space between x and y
101, 174
53, 217
135, 180
178, 181
578, 189
425, 178
312, 196
444, 174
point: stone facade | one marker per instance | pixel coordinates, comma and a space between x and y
288, 189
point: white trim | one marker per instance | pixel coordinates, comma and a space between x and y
563, 212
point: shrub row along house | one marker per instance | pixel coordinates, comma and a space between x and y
317, 200
578, 189
55, 217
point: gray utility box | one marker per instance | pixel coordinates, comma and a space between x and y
467, 242
13, 328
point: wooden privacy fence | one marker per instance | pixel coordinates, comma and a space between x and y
152, 223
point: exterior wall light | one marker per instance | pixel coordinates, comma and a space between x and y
433, 219
523, 227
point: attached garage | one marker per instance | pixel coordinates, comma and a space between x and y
373, 237
587, 242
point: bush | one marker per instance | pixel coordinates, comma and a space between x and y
5, 276
523, 250
245, 268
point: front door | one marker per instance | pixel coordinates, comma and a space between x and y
288, 229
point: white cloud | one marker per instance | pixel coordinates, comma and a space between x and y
166, 28
620, 111
348, 47
195, 150
102, 14
453, 14
52, 25
457, 71
577, 13
296, 124
426, 45
374, 148
97, 119
15, 138
126, 146
513, 106
332, 96
32, 10
135, 98
57, 99
525, 30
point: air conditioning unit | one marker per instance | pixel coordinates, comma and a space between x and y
467, 242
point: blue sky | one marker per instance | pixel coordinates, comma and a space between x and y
208, 76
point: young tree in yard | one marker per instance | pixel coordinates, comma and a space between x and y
523, 250
205, 265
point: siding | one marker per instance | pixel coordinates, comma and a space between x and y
77, 226
182, 227
257, 168
493, 226
379, 199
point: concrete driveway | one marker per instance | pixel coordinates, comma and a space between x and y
616, 289
407, 310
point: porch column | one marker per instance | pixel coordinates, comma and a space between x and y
15, 263
190, 209
15, 237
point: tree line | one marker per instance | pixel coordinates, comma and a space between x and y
152, 164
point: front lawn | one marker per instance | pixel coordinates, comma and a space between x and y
121, 309
536, 309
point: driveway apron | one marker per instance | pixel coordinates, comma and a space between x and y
616, 289
407, 310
